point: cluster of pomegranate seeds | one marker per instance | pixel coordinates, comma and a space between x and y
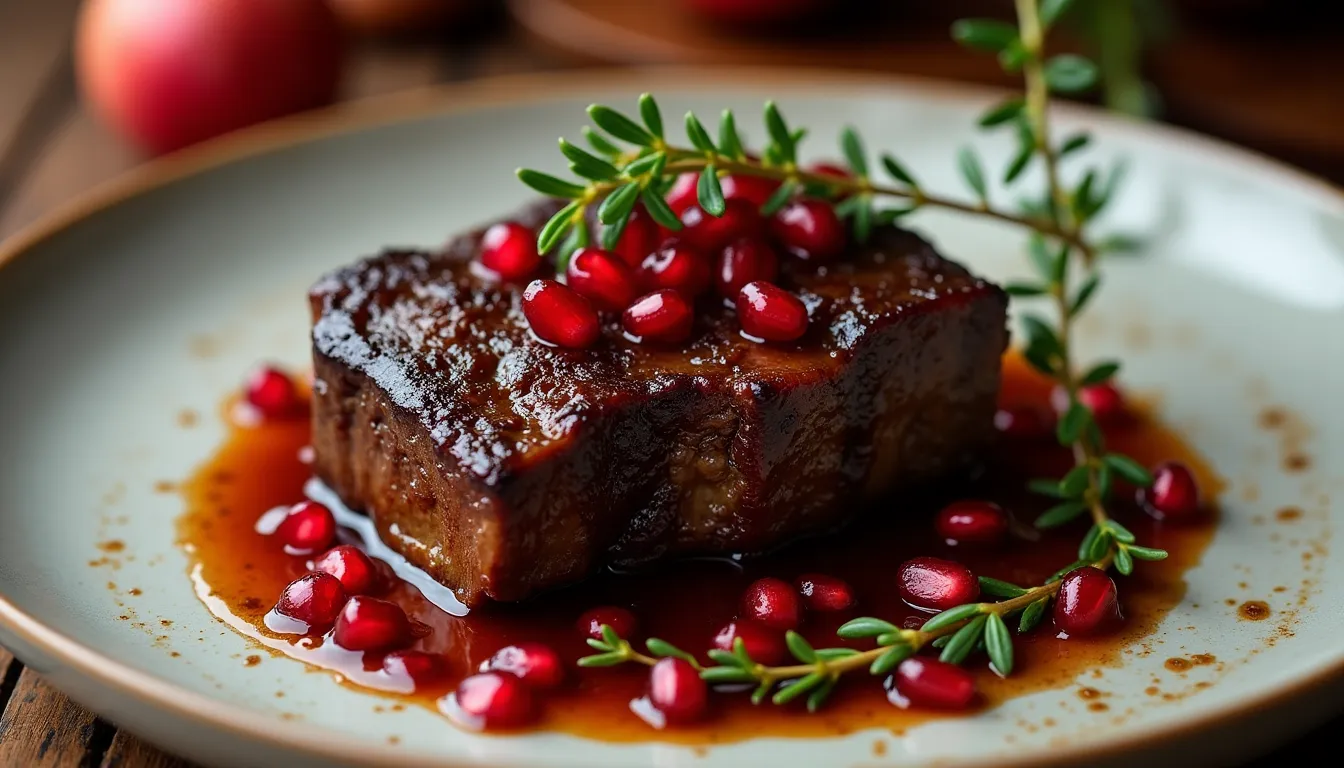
308, 527
825, 593
934, 584
493, 701
536, 664
559, 315
972, 522
764, 644
930, 683
510, 251
620, 619
676, 690
774, 603
315, 599
1088, 602
273, 393
663, 316
1174, 494
707, 234
640, 238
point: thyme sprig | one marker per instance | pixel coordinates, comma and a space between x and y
1065, 260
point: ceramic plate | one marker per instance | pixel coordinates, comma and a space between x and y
150, 298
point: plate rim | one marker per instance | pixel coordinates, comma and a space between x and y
451, 98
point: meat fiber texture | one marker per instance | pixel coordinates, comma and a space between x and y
505, 467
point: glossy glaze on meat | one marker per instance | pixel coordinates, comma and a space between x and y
505, 467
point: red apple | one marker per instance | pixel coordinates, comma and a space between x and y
168, 73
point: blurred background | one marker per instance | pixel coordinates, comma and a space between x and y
90, 88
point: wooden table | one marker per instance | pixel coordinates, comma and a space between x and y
51, 149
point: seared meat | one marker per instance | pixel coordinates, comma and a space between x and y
504, 467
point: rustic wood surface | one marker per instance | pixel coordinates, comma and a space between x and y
52, 148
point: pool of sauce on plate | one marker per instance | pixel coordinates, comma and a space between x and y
239, 573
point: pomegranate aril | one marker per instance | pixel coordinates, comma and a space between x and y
662, 316
1087, 602
308, 527
678, 267
1024, 423
825, 593
1174, 494
810, 230
931, 683
621, 620
509, 250
772, 602
676, 690
1105, 400
708, 233
753, 189
494, 700
559, 315
420, 668
639, 239
273, 393
603, 278
370, 624
769, 313
833, 170
764, 645
971, 521
684, 193
315, 599
536, 664
934, 584
743, 261
354, 569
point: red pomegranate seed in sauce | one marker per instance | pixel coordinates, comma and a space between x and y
354, 569
370, 624
767, 312
602, 278
678, 267
510, 250
663, 317
315, 599
536, 664
708, 233
755, 190
619, 619
810, 230
560, 316
1024, 423
1087, 602
683, 193
743, 261
1105, 400
772, 602
930, 683
934, 584
676, 690
420, 668
764, 645
273, 393
492, 701
308, 527
639, 239
972, 521
1174, 494
825, 593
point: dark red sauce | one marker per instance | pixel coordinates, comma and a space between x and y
239, 573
